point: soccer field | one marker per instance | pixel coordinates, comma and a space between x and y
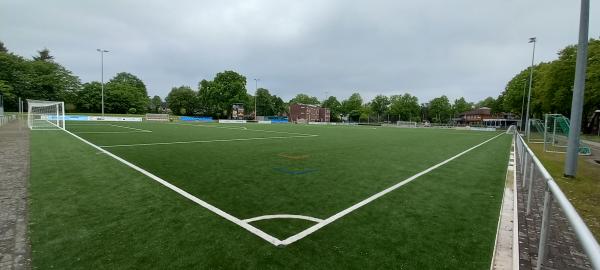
198, 195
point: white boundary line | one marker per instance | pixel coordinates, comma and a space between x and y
110, 132
313, 219
135, 130
207, 141
244, 224
348, 210
183, 193
244, 128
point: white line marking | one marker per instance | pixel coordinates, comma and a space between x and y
109, 132
243, 128
313, 219
136, 130
207, 141
346, 211
183, 193
271, 239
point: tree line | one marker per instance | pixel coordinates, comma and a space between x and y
41, 77
552, 86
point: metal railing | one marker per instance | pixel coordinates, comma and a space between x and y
529, 162
4, 119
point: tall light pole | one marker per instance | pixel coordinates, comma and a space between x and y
527, 125
523, 103
101, 51
255, 95
578, 87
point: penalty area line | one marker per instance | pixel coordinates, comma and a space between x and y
362, 203
191, 197
207, 141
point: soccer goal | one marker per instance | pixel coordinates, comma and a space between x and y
556, 134
157, 117
408, 124
536, 131
45, 115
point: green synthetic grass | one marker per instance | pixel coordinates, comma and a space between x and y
90, 211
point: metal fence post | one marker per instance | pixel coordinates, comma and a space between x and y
524, 173
545, 228
531, 170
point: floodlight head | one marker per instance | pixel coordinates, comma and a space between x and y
532, 39
102, 51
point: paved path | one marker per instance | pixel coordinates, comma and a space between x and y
14, 172
564, 251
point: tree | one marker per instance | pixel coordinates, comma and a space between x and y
3, 49
264, 102
406, 107
352, 106
36, 80
461, 105
365, 112
218, 96
552, 85
379, 105
334, 106
279, 107
182, 100
440, 109
155, 104
125, 91
44, 55
89, 98
304, 99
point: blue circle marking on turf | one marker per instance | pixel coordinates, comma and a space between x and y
294, 171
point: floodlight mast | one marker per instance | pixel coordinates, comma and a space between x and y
578, 88
527, 128
523, 104
255, 95
101, 51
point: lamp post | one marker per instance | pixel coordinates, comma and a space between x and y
523, 103
255, 95
101, 51
578, 87
527, 126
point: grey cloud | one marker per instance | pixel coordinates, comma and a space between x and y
428, 48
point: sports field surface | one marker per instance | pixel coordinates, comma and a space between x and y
108, 195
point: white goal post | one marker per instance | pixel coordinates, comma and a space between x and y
45, 115
157, 117
406, 124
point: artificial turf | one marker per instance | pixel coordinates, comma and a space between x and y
90, 211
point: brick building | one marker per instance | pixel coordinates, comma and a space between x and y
308, 113
483, 117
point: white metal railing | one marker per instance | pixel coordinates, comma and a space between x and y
4, 119
529, 162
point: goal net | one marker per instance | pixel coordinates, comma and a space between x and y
45, 115
556, 134
406, 124
157, 117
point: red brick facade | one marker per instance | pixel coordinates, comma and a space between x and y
308, 113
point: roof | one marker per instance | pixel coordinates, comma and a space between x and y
482, 110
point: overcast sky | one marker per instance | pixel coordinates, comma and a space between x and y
426, 48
